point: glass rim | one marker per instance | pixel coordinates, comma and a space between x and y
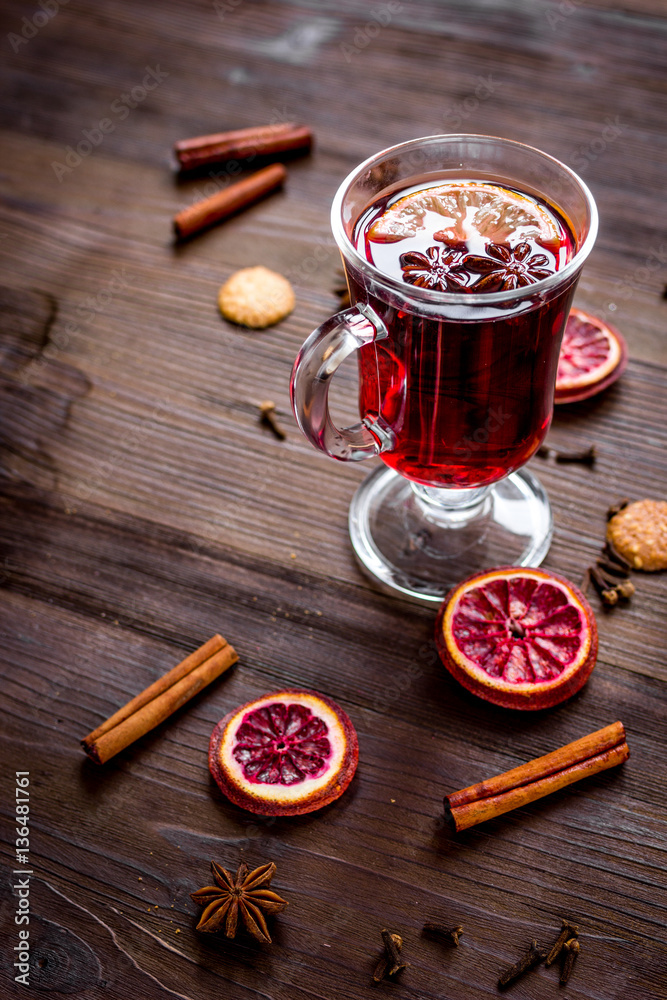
428, 295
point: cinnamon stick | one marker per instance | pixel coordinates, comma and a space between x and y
490, 798
233, 198
242, 144
160, 700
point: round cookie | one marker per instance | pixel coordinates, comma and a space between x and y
256, 297
639, 534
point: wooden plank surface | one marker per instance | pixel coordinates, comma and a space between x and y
144, 508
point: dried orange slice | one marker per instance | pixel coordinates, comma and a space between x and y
592, 356
468, 209
287, 753
520, 638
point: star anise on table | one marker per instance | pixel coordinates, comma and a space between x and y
507, 268
440, 269
246, 893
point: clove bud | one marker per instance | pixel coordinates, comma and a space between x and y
533, 957
389, 963
267, 416
450, 935
571, 950
616, 508
586, 456
568, 931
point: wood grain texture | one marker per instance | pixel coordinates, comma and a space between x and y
144, 508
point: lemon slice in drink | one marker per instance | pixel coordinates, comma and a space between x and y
468, 209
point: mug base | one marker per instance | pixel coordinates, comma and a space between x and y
421, 550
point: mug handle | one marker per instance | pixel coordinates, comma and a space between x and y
316, 364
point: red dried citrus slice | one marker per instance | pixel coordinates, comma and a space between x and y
592, 356
520, 638
287, 753
467, 208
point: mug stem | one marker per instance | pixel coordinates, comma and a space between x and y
452, 507
421, 541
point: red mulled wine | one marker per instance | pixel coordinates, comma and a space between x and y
467, 399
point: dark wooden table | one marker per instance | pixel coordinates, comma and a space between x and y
144, 507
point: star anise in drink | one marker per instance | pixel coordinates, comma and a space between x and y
440, 269
246, 893
507, 268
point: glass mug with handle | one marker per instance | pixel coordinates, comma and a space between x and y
462, 254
